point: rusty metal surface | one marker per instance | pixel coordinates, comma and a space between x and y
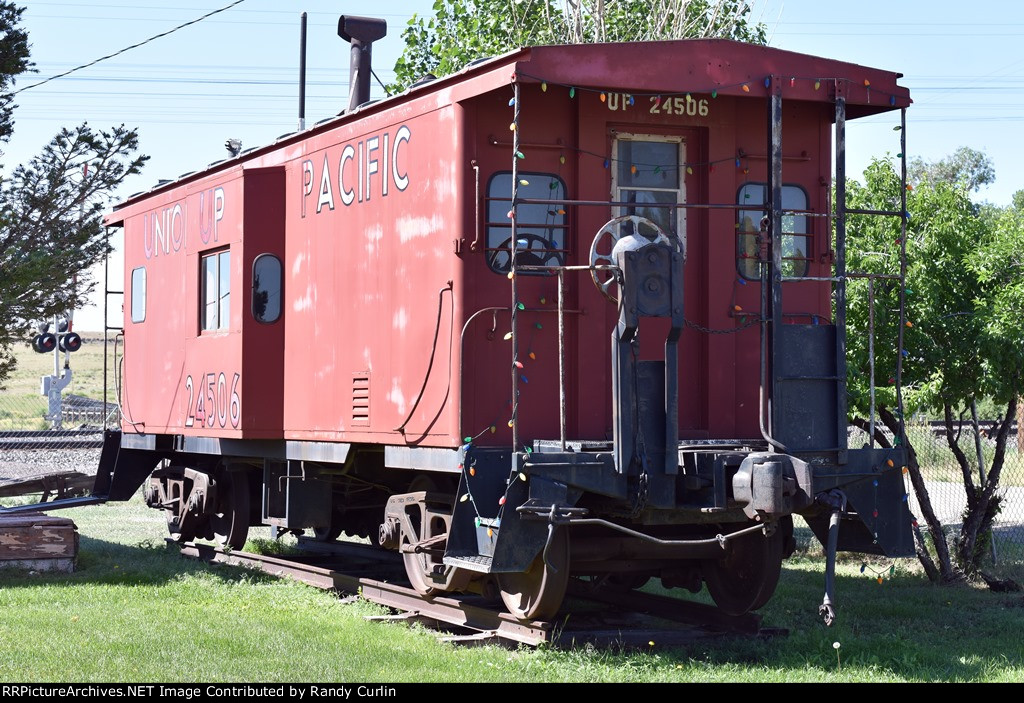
634, 620
443, 609
63, 484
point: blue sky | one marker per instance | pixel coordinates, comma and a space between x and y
234, 75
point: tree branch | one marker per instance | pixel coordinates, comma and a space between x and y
954, 446
947, 573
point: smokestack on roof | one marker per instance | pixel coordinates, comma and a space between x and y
360, 32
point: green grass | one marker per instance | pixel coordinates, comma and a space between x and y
136, 611
21, 405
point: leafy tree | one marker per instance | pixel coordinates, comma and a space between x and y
14, 61
50, 208
966, 166
463, 30
959, 341
1018, 200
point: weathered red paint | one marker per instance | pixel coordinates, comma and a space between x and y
381, 278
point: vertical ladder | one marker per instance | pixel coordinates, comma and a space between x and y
808, 362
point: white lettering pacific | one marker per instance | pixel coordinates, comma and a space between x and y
366, 167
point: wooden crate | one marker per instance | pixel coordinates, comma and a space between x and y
38, 542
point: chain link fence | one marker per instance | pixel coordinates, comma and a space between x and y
944, 479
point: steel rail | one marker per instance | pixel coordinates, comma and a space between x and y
441, 608
486, 623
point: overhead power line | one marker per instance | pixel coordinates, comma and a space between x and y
129, 48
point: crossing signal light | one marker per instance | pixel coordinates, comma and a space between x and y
47, 342
70, 342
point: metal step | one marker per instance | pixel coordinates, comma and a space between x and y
470, 562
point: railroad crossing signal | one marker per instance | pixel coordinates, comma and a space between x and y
65, 340
60, 339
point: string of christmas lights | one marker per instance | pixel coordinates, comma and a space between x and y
714, 89
636, 168
879, 574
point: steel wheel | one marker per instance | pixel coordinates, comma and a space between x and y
537, 593
174, 527
531, 250
746, 577
419, 566
331, 531
230, 524
173, 493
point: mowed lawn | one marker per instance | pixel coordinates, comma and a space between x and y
135, 611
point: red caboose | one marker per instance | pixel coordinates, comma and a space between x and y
568, 311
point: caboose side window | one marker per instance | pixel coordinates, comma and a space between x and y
215, 271
541, 228
266, 288
795, 242
139, 294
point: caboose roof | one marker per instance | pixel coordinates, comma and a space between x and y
717, 67
721, 66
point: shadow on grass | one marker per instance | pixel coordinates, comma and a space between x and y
149, 562
904, 628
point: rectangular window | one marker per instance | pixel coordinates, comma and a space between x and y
647, 170
541, 227
139, 294
215, 290
795, 242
